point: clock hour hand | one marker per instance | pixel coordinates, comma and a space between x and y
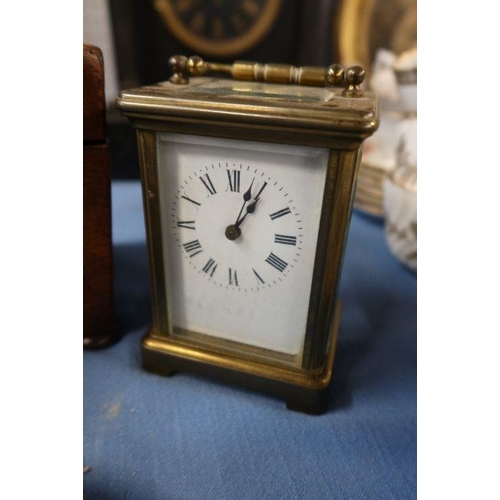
233, 231
250, 210
246, 197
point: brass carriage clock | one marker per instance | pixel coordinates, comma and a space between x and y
248, 185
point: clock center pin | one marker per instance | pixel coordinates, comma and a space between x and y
232, 232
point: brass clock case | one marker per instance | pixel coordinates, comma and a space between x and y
335, 119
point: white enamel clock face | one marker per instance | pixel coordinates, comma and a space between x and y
240, 224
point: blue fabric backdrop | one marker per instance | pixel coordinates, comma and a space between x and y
148, 437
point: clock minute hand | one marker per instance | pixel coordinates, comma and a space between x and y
260, 191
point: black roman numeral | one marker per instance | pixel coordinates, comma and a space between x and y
259, 279
233, 177
233, 277
276, 262
192, 201
280, 213
188, 224
208, 183
285, 240
210, 267
193, 248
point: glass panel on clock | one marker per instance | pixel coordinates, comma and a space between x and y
240, 224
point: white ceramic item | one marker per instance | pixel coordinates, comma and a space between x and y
400, 206
405, 69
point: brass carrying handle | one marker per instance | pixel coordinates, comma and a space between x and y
335, 75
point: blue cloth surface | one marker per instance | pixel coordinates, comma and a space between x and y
184, 437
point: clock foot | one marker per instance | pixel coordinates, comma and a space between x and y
164, 371
307, 401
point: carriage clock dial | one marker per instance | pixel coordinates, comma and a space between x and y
240, 221
237, 226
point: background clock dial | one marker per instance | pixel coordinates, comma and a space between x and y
240, 221
219, 27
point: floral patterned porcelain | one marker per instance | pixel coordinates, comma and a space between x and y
400, 206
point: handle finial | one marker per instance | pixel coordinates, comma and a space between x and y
354, 77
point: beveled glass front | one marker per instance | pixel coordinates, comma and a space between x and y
247, 290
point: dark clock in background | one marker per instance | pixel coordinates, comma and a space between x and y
219, 28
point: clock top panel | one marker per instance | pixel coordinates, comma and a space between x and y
288, 106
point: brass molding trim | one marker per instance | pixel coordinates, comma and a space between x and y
160, 102
227, 46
